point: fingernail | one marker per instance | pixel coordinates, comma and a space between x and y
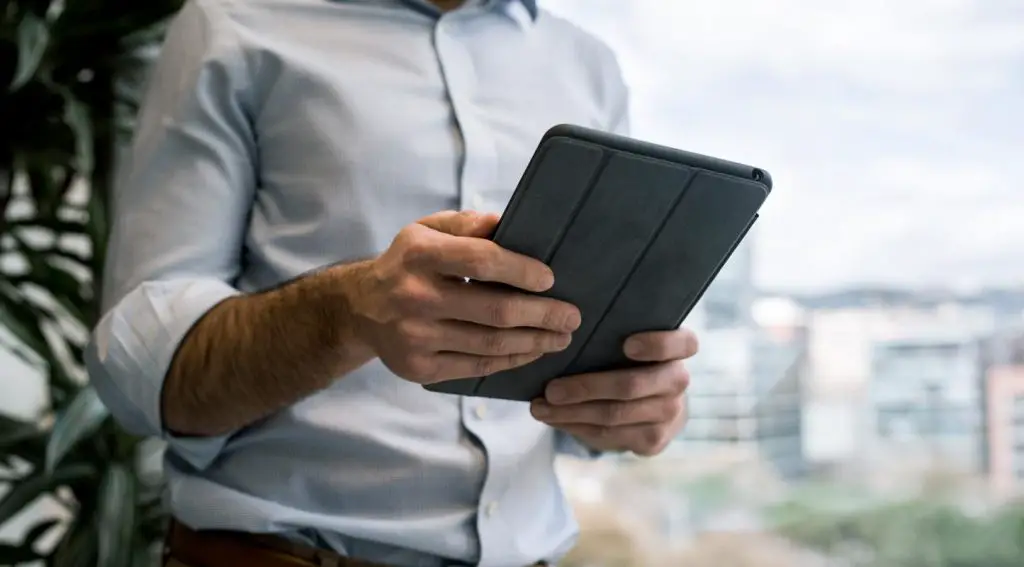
546, 281
556, 393
633, 348
540, 410
562, 342
573, 321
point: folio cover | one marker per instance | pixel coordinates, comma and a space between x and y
634, 233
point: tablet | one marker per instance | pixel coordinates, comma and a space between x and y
634, 232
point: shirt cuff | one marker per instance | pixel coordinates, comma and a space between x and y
570, 446
131, 350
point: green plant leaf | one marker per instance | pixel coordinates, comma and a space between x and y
116, 521
22, 320
62, 284
38, 531
33, 38
25, 491
28, 444
56, 225
27, 356
14, 430
81, 418
76, 115
17, 554
77, 547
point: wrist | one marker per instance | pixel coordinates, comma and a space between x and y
346, 294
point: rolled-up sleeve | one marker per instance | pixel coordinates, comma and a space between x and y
569, 446
181, 206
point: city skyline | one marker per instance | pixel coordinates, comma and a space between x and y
890, 128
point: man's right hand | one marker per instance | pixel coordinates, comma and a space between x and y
415, 310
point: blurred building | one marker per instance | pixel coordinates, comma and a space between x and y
779, 371
727, 302
840, 415
1004, 408
927, 398
747, 388
1005, 427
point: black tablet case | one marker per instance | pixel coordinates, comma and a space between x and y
634, 233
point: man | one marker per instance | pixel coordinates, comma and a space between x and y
281, 284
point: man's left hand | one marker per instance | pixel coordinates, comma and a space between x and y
639, 410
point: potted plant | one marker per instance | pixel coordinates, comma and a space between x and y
69, 77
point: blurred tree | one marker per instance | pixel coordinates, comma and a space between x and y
910, 534
69, 72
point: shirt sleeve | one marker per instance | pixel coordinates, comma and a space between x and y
569, 446
180, 210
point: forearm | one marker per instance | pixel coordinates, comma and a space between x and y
253, 355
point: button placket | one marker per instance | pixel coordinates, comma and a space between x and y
478, 175
478, 169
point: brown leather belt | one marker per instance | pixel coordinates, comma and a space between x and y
228, 549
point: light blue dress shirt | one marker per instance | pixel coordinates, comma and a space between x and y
279, 136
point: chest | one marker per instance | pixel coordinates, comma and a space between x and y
370, 123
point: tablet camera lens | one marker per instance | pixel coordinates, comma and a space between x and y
758, 175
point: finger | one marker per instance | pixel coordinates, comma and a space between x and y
644, 440
483, 260
505, 309
456, 245
658, 409
462, 223
661, 346
470, 338
666, 379
453, 366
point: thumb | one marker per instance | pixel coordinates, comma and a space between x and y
462, 223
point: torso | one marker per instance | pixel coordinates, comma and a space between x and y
370, 115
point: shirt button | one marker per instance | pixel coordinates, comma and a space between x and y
480, 411
491, 509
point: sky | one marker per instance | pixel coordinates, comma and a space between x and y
894, 130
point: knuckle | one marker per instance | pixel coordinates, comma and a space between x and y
412, 245
632, 386
545, 341
406, 292
485, 366
463, 217
554, 317
652, 441
412, 332
615, 413
670, 408
577, 389
683, 379
413, 296
677, 376
502, 312
479, 261
495, 342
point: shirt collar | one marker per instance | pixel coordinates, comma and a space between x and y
530, 5
514, 8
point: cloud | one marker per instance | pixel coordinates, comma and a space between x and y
893, 129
